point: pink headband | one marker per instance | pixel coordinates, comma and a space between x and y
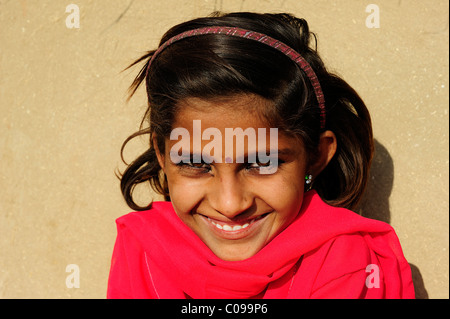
262, 38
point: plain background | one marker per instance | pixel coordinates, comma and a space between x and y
64, 117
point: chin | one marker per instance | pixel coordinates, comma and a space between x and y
236, 252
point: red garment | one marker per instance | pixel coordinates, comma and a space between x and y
326, 252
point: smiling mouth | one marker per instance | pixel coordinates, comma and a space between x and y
234, 229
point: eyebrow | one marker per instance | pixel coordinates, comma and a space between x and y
210, 159
282, 152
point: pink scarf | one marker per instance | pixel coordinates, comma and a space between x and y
324, 253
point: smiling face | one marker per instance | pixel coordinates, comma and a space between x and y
231, 206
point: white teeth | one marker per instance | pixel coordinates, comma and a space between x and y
228, 227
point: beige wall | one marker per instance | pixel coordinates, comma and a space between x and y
64, 116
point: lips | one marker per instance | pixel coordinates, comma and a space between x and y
234, 229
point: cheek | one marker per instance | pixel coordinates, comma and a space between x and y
289, 205
185, 194
286, 197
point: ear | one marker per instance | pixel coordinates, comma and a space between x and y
326, 150
159, 155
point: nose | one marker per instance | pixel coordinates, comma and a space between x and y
229, 195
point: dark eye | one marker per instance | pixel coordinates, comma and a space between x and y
265, 168
259, 164
196, 167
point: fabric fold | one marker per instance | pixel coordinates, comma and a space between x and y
322, 244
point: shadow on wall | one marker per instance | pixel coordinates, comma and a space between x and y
375, 203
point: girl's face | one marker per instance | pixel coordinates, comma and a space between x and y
231, 206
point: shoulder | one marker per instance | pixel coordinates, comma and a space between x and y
342, 268
335, 269
144, 226
330, 222
154, 212
346, 253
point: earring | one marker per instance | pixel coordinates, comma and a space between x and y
308, 182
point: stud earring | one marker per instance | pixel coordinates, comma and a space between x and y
308, 182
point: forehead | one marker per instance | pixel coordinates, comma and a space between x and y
234, 111
242, 112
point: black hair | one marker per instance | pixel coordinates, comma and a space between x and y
215, 65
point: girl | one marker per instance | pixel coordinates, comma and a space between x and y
261, 154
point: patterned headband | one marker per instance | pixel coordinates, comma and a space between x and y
262, 38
